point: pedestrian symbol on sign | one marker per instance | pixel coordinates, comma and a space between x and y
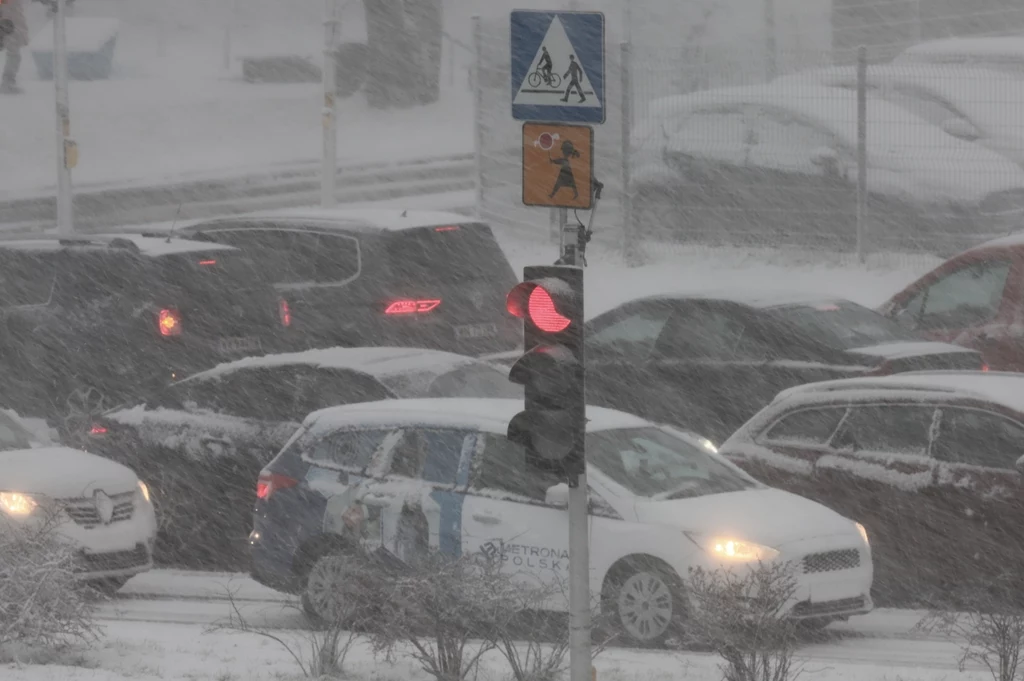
558, 165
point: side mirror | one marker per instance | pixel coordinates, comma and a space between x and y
1020, 465
557, 495
961, 129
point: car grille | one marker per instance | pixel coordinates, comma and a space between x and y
83, 509
830, 561
113, 560
843, 605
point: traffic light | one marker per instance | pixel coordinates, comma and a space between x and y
552, 425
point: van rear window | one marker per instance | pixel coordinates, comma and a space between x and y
222, 270
447, 254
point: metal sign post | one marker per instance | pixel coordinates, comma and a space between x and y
557, 80
67, 152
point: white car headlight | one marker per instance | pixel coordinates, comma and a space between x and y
863, 534
17, 504
144, 491
734, 549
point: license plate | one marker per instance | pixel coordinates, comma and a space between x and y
475, 331
235, 345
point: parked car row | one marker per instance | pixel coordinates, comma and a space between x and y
778, 161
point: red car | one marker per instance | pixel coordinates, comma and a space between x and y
975, 299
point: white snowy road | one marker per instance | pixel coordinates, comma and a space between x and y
885, 637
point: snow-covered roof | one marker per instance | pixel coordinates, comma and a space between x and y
358, 219
1003, 388
1009, 47
487, 415
378, 362
147, 245
1014, 240
760, 298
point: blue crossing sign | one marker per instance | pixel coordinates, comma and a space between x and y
558, 66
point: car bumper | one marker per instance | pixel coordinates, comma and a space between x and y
828, 583
120, 549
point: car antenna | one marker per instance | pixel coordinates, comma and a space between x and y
175, 223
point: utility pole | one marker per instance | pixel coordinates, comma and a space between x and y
67, 152
329, 171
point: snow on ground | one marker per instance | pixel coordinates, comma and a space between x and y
144, 652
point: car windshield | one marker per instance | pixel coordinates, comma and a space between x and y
841, 325
650, 462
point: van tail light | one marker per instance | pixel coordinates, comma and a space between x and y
269, 483
412, 306
169, 322
985, 367
97, 429
285, 312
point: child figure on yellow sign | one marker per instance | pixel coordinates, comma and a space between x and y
565, 178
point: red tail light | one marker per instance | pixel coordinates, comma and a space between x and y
446, 228
169, 322
97, 429
412, 306
985, 367
269, 483
286, 313
207, 263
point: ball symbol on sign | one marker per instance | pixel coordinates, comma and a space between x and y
546, 140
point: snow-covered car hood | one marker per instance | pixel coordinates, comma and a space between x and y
62, 473
764, 515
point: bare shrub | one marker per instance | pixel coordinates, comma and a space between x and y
320, 651
739, 615
992, 637
41, 602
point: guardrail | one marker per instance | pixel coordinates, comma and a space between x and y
299, 185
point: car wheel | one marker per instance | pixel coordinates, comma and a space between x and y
326, 599
645, 603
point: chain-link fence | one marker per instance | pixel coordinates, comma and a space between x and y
729, 148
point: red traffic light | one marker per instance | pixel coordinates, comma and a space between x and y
532, 300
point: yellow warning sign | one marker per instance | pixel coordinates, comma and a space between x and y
558, 165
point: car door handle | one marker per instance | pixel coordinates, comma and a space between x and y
486, 518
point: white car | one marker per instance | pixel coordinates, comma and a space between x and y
973, 104
407, 474
98, 506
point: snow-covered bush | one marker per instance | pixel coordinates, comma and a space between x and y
41, 603
738, 614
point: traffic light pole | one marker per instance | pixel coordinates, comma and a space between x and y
580, 658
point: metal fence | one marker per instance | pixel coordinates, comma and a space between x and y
728, 148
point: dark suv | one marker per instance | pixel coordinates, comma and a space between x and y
380, 277
88, 322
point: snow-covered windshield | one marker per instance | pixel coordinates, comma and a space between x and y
841, 325
650, 462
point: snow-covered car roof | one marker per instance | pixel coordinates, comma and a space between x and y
992, 99
995, 49
759, 298
405, 371
1012, 240
1005, 389
919, 158
486, 415
149, 245
353, 219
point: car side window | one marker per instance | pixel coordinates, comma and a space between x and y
924, 104
264, 394
787, 144
475, 380
503, 469
336, 259
349, 449
807, 426
284, 256
631, 336
887, 428
435, 455
710, 334
719, 135
26, 278
964, 298
978, 438
322, 388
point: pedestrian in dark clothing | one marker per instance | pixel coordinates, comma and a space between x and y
574, 74
12, 15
